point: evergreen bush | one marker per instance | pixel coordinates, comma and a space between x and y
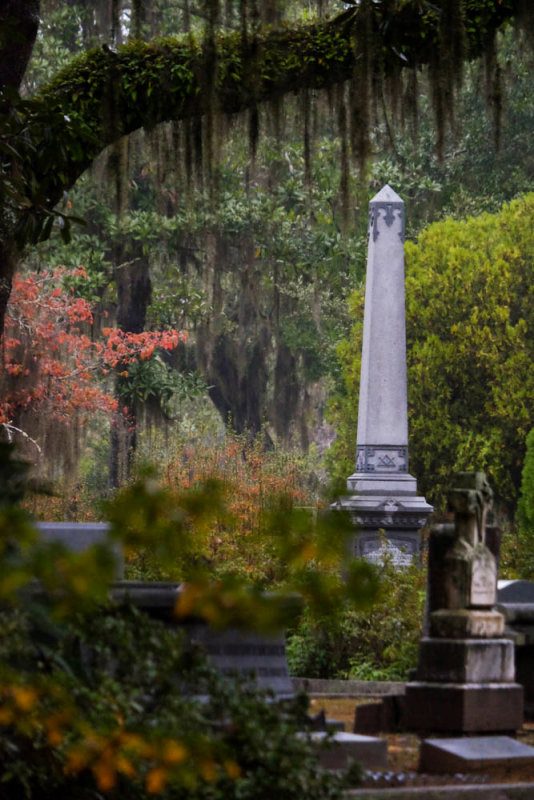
97, 700
379, 643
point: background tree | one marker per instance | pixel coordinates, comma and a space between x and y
55, 371
254, 243
525, 507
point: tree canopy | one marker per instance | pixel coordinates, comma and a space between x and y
50, 139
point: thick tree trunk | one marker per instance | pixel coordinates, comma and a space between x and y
286, 392
19, 23
134, 288
123, 443
235, 361
9, 261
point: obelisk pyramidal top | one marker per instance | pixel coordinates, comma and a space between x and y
384, 494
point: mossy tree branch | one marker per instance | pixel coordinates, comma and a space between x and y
107, 95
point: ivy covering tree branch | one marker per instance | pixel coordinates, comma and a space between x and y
106, 95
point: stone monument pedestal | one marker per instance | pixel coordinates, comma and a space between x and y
464, 685
463, 707
387, 514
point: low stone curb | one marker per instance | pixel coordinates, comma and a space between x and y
320, 687
496, 791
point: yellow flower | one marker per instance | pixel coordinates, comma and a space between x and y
174, 752
54, 737
77, 759
25, 697
155, 780
208, 771
232, 769
125, 766
104, 772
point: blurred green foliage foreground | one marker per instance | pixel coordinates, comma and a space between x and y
99, 701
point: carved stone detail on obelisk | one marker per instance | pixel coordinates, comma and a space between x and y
383, 493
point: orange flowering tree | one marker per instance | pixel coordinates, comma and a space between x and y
251, 484
54, 362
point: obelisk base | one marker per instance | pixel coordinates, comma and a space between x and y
387, 516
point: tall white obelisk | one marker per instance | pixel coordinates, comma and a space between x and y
383, 493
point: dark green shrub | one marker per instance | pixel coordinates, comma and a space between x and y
117, 676
102, 701
517, 551
376, 644
525, 506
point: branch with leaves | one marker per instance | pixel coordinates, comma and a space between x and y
53, 359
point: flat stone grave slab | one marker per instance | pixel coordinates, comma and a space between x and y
336, 750
473, 754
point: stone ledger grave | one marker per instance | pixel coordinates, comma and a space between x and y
474, 754
261, 659
251, 656
382, 494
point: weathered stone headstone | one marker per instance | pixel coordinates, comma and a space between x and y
80, 536
465, 678
516, 602
383, 495
258, 658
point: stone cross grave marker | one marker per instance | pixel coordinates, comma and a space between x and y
465, 680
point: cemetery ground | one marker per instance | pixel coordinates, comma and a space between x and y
403, 753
